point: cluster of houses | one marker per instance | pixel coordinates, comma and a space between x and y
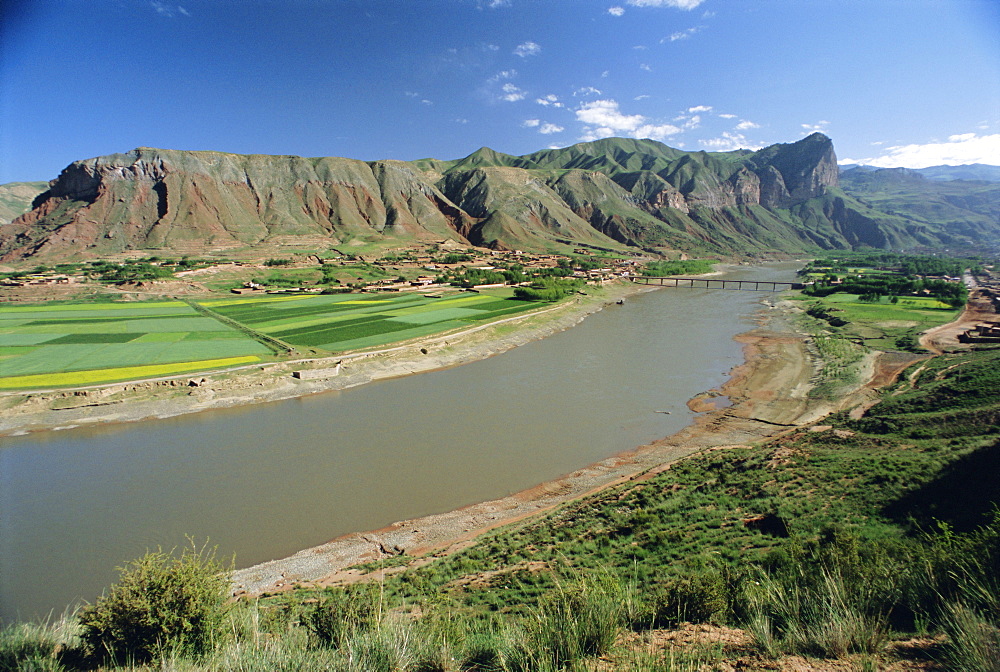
986, 331
41, 279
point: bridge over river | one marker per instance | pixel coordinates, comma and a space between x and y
717, 283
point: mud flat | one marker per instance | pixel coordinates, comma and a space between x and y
24, 412
766, 395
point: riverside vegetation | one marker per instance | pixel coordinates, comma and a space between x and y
873, 540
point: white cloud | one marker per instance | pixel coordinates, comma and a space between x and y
426, 102
526, 49
587, 91
959, 150
645, 66
746, 124
728, 142
531, 123
727, 116
680, 35
642, 96
591, 134
693, 122
678, 4
616, 11
549, 129
640, 47
461, 120
605, 113
699, 108
656, 132
549, 100
168, 10
603, 118
818, 127
503, 74
512, 93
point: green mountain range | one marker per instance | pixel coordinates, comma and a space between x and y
613, 193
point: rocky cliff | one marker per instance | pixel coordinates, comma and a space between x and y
610, 193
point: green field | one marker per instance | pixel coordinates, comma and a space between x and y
89, 343
58, 345
882, 324
347, 321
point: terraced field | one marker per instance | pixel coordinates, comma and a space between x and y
89, 343
347, 322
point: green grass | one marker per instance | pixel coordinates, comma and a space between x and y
347, 322
108, 342
882, 325
78, 337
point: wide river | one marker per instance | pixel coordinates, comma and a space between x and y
266, 480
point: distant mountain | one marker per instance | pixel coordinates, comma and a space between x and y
972, 172
960, 209
613, 193
16, 199
978, 172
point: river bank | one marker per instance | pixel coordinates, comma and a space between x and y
765, 396
25, 412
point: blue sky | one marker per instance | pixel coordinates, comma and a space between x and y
893, 82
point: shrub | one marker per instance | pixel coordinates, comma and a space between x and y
345, 613
697, 598
163, 603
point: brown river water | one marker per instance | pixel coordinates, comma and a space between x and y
264, 481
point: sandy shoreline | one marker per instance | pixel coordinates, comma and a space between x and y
768, 394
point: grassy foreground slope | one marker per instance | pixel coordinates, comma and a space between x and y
869, 543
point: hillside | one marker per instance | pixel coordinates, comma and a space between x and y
16, 199
963, 208
612, 193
